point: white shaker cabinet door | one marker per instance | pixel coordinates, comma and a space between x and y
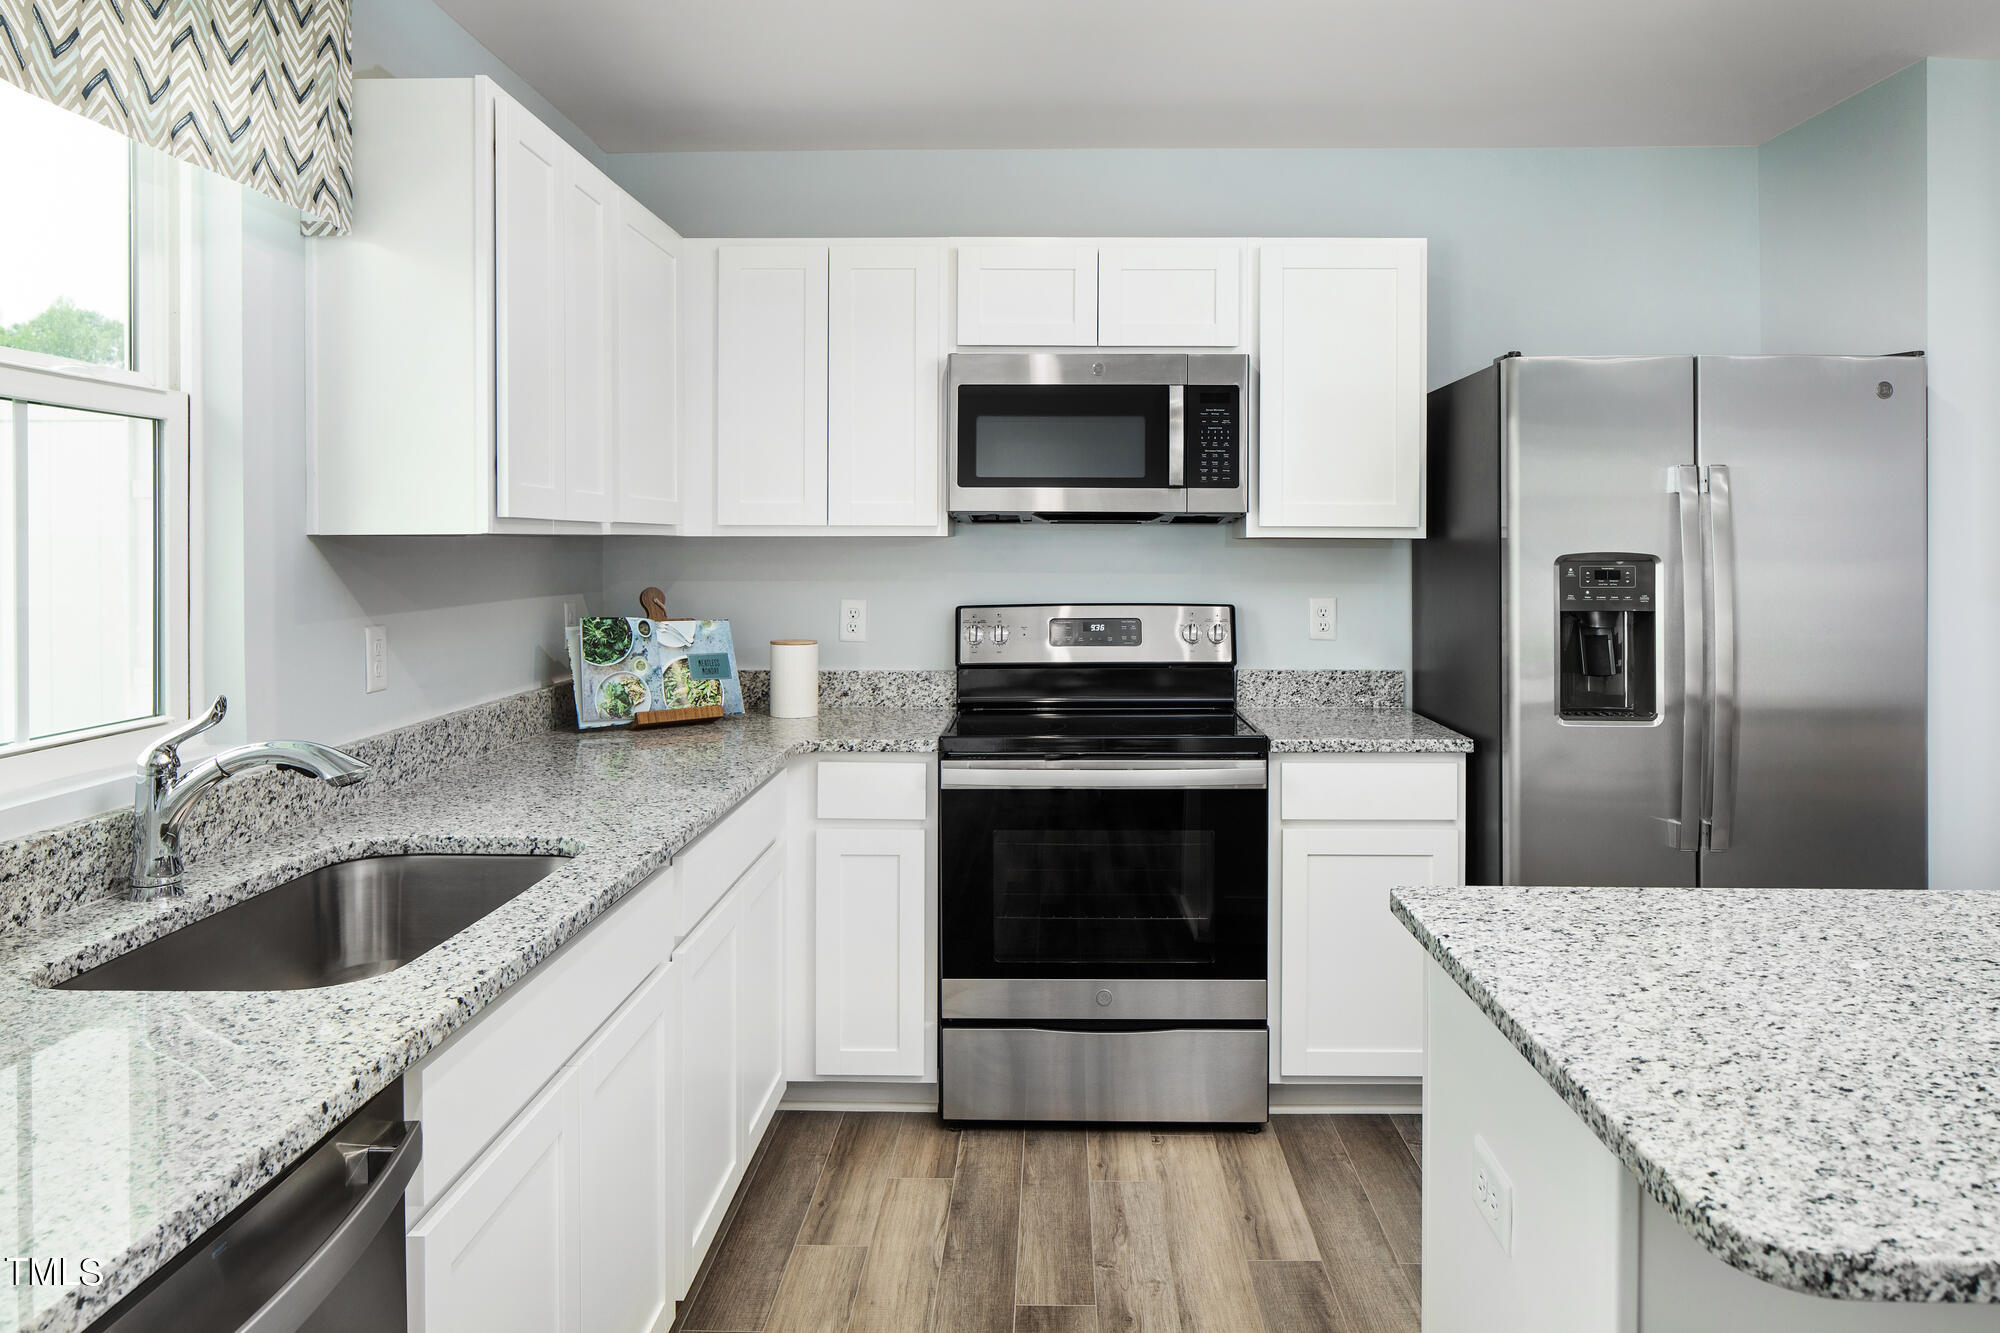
501, 1252
710, 962
589, 202
761, 995
628, 1093
531, 217
646, 423
1169, 295
1351, 979
884, 359
1027, 296
868, 967
1340, 433
770, 386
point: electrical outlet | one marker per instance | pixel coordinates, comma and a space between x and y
1493, 1194
853, 621
375, 646
1319, 617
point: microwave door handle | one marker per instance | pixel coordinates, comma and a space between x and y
1176, 435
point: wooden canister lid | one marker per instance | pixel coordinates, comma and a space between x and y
793, 643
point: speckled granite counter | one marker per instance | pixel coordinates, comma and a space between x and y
134, 1121
1308, 729
1805, 1079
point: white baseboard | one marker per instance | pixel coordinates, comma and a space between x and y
1286, 1098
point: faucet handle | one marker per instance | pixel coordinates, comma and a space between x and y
166, 753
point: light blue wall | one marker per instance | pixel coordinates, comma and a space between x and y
1963, 338
1587, 250
1841, 222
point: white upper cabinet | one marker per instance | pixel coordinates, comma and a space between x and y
770, 386
646, 424
478, 363
1169, 295
1027, 296
589, 206
884, 364
1340, 431
532, 218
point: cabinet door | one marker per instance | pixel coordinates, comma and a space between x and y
628, 1092
1027, 296
868, 963
646, 425
530, 219
760, 1006
1169, 295
1351, 979
711, 968
770, 386
1340, 433
501, 1252
588, 204
883, 366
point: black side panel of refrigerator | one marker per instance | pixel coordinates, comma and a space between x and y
1455, 575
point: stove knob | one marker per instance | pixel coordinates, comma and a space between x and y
999, 636
1191, 634
974, 635
1217, 632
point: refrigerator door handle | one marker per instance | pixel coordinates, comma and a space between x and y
1689, 572
1720, 586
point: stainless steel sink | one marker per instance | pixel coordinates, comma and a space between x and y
342, 922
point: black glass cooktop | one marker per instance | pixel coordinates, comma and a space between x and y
1088, 732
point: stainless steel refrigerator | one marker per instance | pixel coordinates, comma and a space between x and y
1679, 605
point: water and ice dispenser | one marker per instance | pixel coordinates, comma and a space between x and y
1607, 637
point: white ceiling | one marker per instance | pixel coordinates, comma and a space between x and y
660, 75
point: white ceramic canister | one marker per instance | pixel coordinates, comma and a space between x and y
794, 677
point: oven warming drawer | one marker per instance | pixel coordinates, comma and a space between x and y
1184, 1075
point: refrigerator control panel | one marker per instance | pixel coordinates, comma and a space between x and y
1607, 638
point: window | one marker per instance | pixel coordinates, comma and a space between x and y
93, 451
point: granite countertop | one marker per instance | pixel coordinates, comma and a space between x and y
1324, 729
136, 1120
1804, 1078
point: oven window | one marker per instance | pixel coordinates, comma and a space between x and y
1105, 436
1103, 896
1070, 448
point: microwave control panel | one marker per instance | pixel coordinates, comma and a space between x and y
1213, 459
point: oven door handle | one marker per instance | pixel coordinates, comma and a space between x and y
1100, 774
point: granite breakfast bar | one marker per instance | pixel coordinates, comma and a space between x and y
1682, 1109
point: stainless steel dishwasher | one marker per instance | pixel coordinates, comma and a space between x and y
318, 1250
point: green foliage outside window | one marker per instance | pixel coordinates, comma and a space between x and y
66, 329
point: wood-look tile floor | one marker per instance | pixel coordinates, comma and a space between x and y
891, 1223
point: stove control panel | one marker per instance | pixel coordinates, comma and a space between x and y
1110, 633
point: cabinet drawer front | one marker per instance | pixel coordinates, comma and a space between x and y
1366, 790
468, 1092
847, 789
721, 855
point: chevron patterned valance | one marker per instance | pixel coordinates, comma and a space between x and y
259, 90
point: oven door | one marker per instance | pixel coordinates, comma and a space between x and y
1048, 435
1103, 891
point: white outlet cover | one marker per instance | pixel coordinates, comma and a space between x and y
1493, 1193
1319, 618
853, 621
375, 649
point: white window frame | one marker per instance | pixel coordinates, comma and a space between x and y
162, 269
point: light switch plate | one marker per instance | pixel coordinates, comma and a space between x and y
375, 644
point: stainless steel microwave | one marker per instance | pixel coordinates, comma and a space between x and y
1076, 437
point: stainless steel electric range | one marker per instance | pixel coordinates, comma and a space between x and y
1103, 885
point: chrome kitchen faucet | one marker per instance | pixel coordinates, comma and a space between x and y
161, 803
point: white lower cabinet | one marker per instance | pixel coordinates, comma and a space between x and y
501, 1252
1349, 977
711, 968
760, 1031
868, 951
629, 1109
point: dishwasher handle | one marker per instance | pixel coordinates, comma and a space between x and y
304, 1292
